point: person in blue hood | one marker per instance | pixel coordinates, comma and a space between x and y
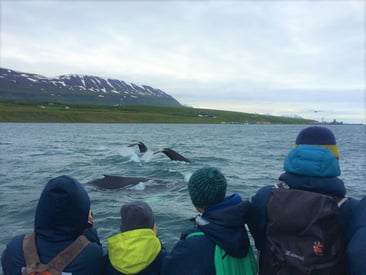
221, 223
62, 215
312, 165
137, 248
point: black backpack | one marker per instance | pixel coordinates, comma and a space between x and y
57, 264
303, 234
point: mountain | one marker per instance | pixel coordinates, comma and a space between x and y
85, 89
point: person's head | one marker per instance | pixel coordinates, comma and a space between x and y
315, 154
136, 215
207, 187
63, 210
318, 136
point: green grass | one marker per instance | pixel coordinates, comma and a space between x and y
17, 112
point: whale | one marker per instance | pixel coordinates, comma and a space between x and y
173, 155
118, 182
121, 182
170, 153
141, 145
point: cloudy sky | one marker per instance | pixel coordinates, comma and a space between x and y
270, 57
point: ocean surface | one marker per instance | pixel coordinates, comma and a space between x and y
250, 156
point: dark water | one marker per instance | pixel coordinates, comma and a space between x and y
250, 156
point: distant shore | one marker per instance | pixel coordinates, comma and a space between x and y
77, 113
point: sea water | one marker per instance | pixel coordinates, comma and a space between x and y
250, 156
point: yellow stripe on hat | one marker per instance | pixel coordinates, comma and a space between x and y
333, 148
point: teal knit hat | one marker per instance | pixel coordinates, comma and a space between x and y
207, 187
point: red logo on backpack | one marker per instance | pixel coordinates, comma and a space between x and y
318, 249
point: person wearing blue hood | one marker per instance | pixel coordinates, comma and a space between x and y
137, 248
312, 165
62, 216
220, 226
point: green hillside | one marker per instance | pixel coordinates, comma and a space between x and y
14, 112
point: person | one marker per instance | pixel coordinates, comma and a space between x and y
137, 248
220, 226
356, 249
312, 165
62, 216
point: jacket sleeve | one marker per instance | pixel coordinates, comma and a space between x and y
257, 216
190, 256
356, 249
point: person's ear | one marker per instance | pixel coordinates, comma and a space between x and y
155, 229
90, 218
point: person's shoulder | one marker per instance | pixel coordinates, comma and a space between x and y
262, 194
94, 250
191, 239
348, 207
356, 211
15, 243
94, 255
12, 256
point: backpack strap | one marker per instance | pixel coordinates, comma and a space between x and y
194, 234
341, 201
57, 264
31, 257
65, 257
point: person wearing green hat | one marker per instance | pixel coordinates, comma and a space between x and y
220, 225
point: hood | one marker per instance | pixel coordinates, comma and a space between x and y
62, 210
331, 186
132, 251
311, 160
224, 224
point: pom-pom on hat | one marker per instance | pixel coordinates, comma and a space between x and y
207, 187
136, 215
320, 136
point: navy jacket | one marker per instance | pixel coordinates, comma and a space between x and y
222, 224
356, 250
310, 168
61, 216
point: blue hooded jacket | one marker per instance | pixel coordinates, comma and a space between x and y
223, 224
61, 216
307, 167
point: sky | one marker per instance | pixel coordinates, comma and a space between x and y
280, 57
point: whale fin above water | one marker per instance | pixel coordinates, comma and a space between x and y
173, 155
141, 145
170, 153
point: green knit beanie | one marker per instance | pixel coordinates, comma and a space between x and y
207, 187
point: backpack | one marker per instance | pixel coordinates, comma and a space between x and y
57, 264
302, 234
229, 265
